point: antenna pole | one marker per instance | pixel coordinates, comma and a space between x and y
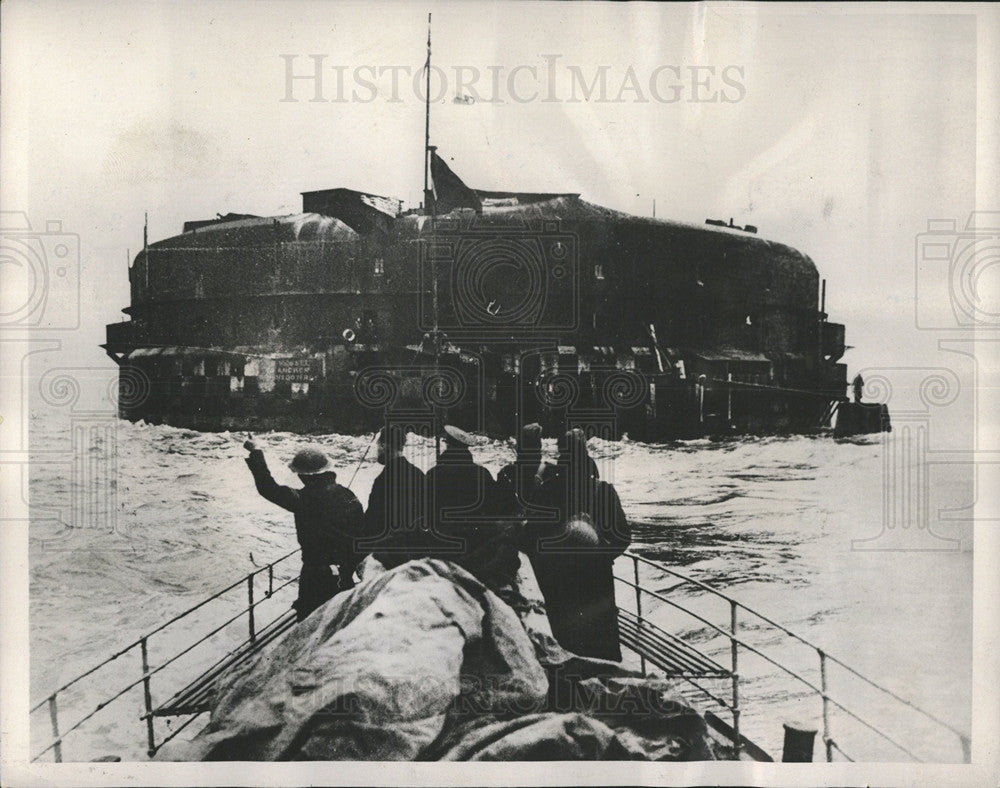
437, 331
429, 206
427, 118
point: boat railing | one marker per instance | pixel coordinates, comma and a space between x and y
738, 615
264, 576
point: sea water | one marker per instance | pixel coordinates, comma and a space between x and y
132, 524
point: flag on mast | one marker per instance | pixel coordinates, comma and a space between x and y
448, 190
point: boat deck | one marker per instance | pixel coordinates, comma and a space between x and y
196, 697
674, 657
268, 592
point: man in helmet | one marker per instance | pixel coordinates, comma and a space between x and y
328, 522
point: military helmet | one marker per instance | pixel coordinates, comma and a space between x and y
309, 461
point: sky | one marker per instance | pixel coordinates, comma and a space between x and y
839, 130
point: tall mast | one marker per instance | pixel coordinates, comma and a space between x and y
145, 249
427, 118
429, 204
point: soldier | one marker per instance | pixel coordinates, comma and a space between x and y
573, 560
518, 482
396, 522
328, 522
858, 384
466, 513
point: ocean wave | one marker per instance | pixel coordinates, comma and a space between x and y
769, 519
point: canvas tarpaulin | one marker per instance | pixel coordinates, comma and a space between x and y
423, 662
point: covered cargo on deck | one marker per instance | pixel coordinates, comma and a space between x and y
422, 662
